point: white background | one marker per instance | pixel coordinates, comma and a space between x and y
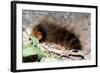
5, 36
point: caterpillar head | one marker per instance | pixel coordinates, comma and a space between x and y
39, 32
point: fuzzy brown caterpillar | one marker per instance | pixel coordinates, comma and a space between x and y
51, 32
